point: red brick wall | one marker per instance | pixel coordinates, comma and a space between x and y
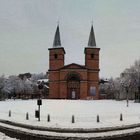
55, 63
93, 75
54, 75
63, 90
83, 89
54, 90
92, 63
89, 76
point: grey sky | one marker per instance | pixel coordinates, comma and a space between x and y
27, 30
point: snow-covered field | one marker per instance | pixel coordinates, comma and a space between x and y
61, 111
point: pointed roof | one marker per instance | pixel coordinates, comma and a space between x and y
57, 41
92, 42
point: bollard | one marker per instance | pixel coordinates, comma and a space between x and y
121, 117
9, 113
98, 119
48, 118
27, 116
73, 119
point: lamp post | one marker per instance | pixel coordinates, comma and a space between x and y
39, 102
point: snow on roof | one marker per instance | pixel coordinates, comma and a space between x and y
43, 80
46, 86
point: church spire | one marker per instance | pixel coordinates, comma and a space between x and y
57, 41
92, 42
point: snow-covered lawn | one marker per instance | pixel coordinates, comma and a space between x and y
61, 111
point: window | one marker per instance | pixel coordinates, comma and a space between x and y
92, 55
55, 56
92, 91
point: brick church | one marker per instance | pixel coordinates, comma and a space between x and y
74, 81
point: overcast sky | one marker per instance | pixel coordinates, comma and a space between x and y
27, 30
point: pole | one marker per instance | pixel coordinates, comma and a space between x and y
39, 112
39, 106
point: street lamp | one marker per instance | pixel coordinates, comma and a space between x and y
39, 102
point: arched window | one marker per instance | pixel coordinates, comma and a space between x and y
73, 77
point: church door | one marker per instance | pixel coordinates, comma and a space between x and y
73, 87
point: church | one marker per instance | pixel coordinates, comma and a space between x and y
73, 81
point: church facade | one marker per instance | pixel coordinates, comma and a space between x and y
73, 81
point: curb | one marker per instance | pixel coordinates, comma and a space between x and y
22, 135
71, 130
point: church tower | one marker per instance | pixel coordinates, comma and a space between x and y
92, 65
57, 53
56, 61
92, 52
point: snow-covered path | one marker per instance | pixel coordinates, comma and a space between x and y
61, 111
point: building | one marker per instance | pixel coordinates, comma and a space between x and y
73, 81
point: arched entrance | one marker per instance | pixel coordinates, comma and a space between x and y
73, 85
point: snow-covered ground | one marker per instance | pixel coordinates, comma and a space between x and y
61, 111
4, 137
